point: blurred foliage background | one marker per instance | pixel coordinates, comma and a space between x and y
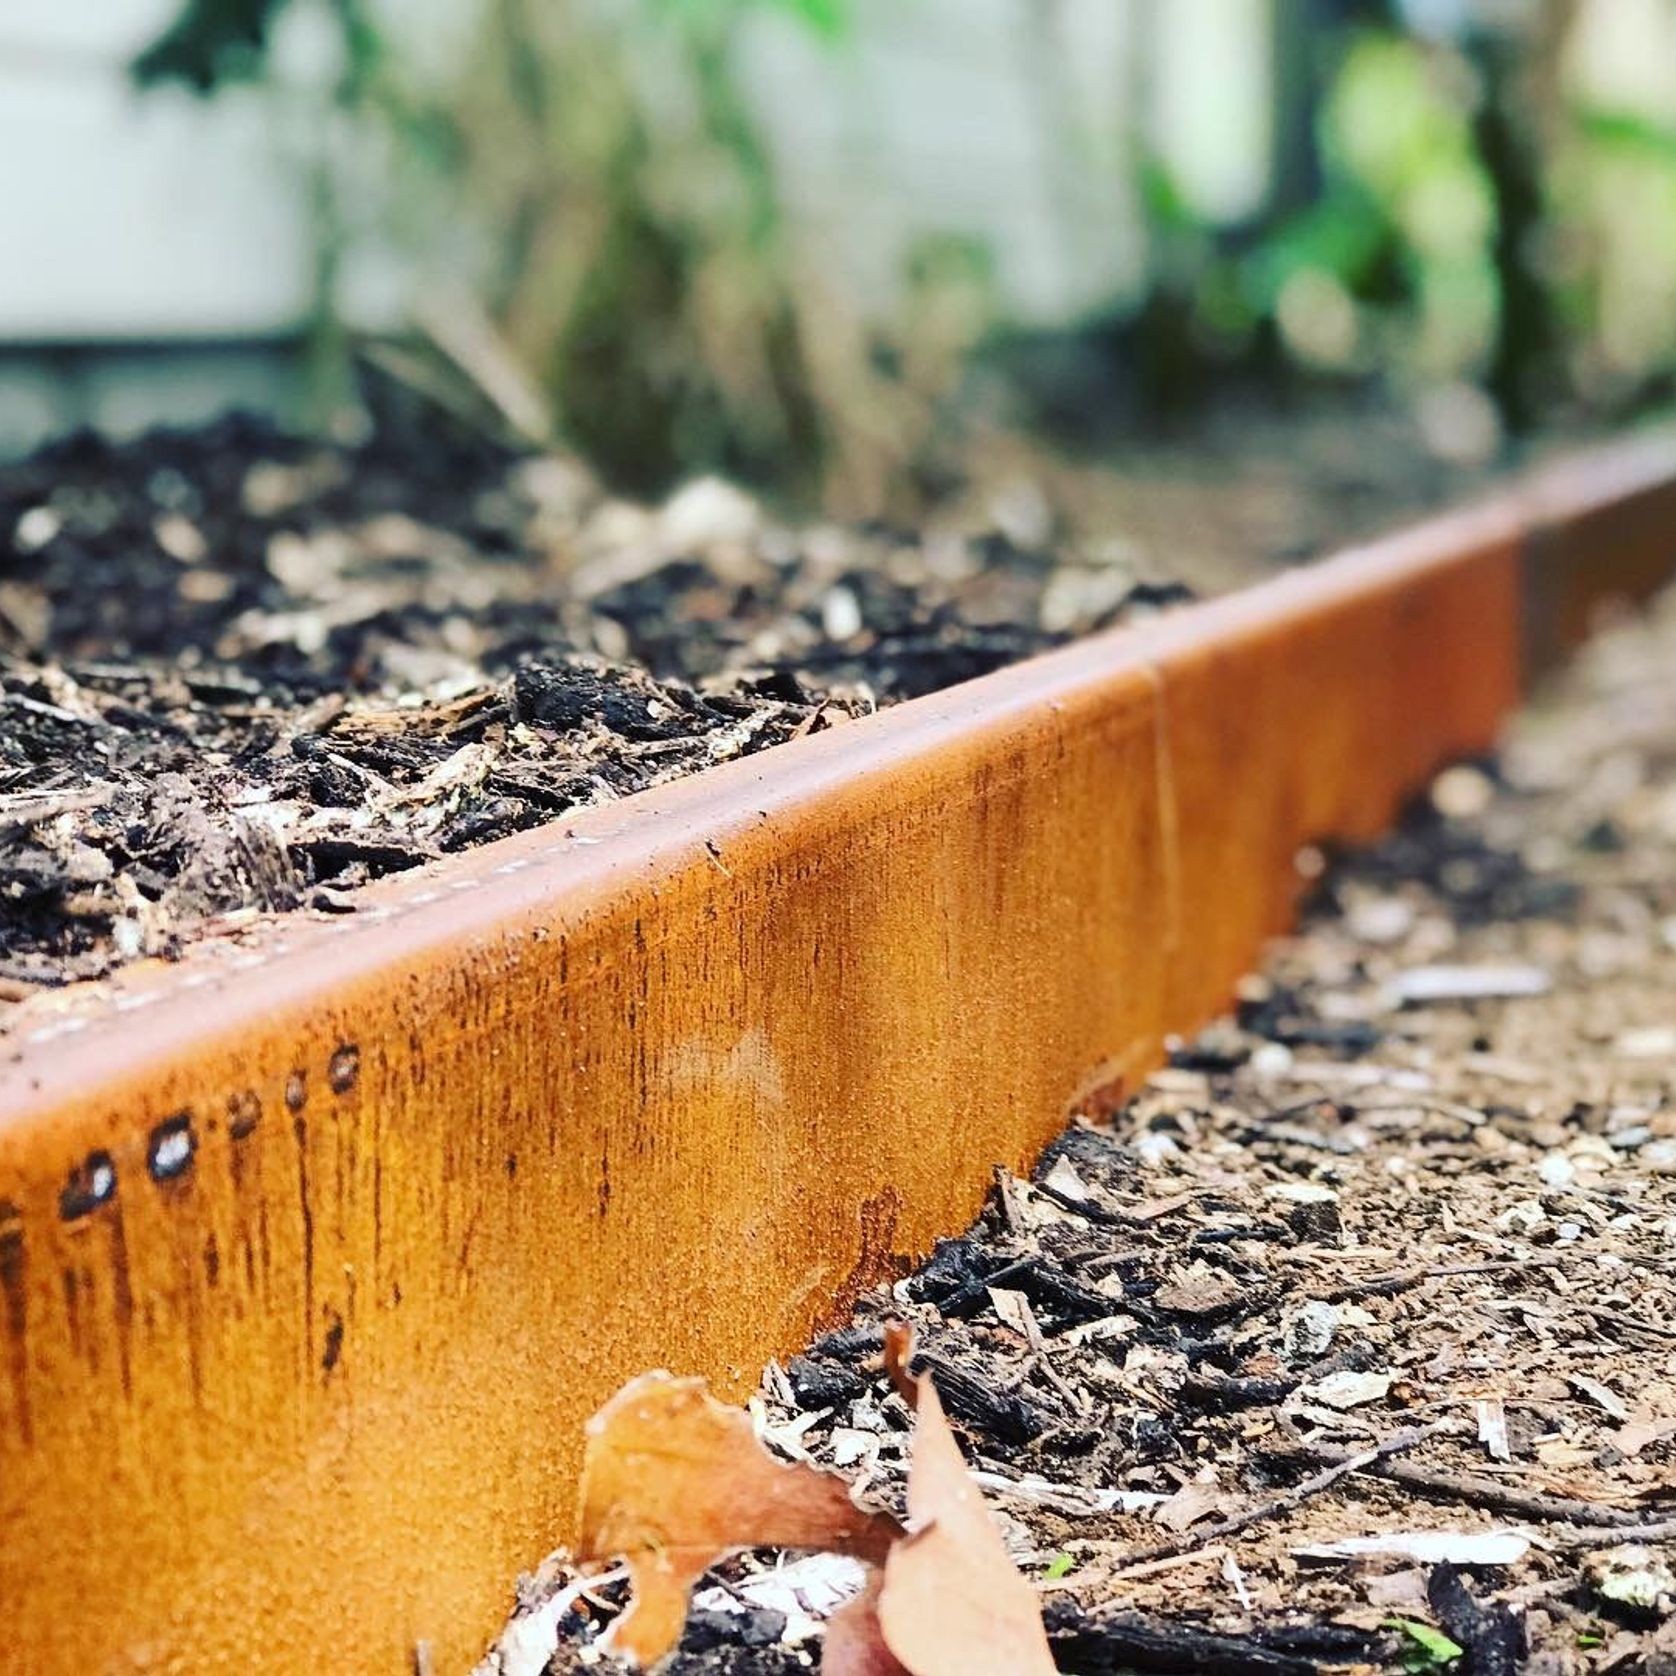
1471, 208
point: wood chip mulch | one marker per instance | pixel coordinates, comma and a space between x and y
243, 673
1351, 1341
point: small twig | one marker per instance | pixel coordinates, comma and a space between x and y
1287, 1499
1429, 1103
1493, 1637
22, 809
1136, 1641
1387, 1285
1151, 1568
1632, 1323
1484, 1492
1085, 1208
1573, 1536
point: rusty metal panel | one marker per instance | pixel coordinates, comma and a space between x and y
315, 1250
661, 1097
1308, 710
1602, 536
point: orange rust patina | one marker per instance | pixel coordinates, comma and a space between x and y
316, 1250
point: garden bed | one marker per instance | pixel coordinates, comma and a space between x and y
245, 675
318, 1244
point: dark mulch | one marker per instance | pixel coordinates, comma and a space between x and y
242, 673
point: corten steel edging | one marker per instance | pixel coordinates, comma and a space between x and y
1601, 529
315, 1252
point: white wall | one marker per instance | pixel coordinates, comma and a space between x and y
963, 117
128, 216
1008, 120
1015, 121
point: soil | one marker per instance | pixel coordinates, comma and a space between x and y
242, 674
1357, 1325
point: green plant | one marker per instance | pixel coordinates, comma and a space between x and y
1393, 263
582, 188
1425, 1649
593, 177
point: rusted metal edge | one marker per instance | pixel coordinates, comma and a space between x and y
315, 1251
1601, 528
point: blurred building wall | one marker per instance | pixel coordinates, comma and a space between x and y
160, 248
1004, 123
130, 222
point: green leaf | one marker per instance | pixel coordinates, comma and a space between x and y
1344, 233
830, 19
1166, 210
1428, 1648
1627, 132
208, 44
1058, 1566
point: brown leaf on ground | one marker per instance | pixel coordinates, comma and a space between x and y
855, 1639
672, 1480
898, 1347
953, 1603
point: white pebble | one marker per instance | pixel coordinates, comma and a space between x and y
1523, 1218
1658, 1155
1656, 1041
1381, 920
1307, 1331
1557, 1170
1461, 792
707, 512
1155, 1148
1420, 985
840, 614
36, 528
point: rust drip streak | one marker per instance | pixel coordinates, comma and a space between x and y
1169, 827
643, 1090
13, 1283
122, 1300
299, 1128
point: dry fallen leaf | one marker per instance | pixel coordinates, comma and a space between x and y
1013, 1310
952, 1602
1633, 1576
673, 1480
1601, 1394
855, 1639
1641, 1429
1191, 1503
1491, 1413
1562, 1454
